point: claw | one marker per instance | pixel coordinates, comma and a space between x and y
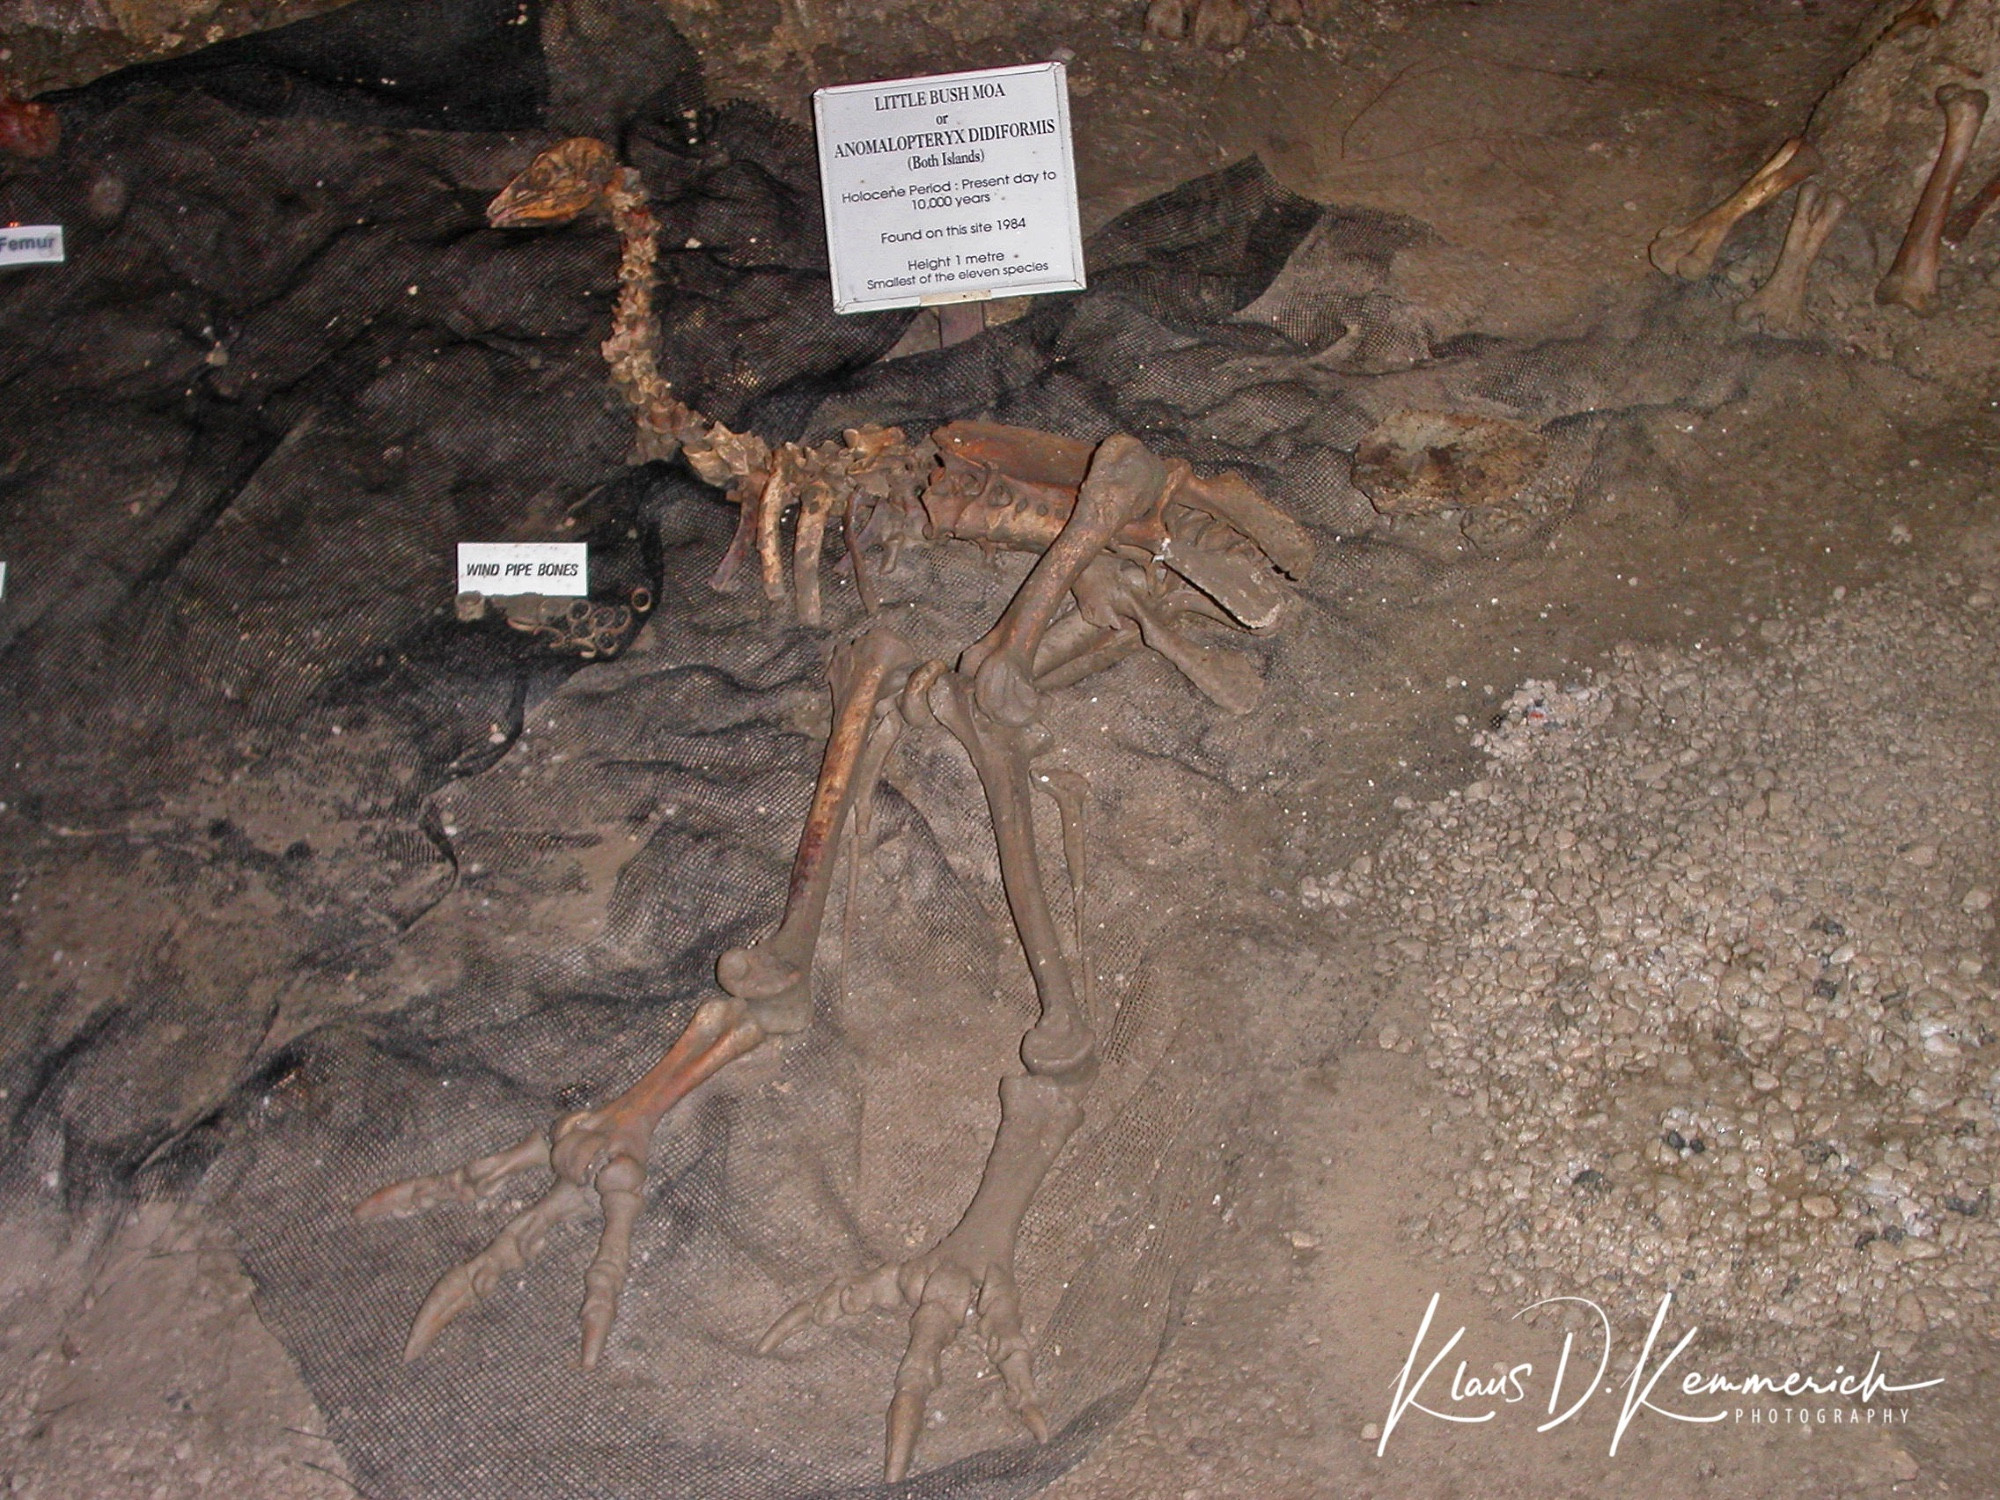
946, 1296
465, 1286
471, 1184
1007, 1348
618, 1185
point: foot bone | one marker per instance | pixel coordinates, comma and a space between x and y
597, 1156
969, 1272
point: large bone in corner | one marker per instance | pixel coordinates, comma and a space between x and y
1912, 280
1778, 306
1689, 252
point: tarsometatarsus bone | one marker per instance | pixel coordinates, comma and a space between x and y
1778, 306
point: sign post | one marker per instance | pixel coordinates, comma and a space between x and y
949, 189
31, 245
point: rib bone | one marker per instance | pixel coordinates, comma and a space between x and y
1689, 252
1912, 280
1778, 306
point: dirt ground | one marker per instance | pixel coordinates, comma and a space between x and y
1548, 140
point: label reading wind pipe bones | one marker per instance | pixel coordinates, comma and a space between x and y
949, 189
31, 245
505, 568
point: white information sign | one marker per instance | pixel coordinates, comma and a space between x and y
31, 245
506, 568
949, 189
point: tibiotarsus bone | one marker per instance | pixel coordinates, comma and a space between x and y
1778, 306
1912, 280
1689, 252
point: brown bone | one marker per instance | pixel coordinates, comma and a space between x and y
775, 975
1125, 481
1958, 228
1689, 252
1778, 306
558, 185
1113, 596
1024, 452
1912, 280
1920, 15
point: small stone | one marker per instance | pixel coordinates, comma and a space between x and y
1370, 1431
1976, 900
1763, 1082
1819, 1206
1302, 1240
1390, 1037
1779, 805
1923, 856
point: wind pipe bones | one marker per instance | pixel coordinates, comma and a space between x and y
1689, 252
1912, 281
1778, 306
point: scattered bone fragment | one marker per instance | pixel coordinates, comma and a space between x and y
1919, 15
1418, 463
1168, 19
1221, 24
1913, 279
1958, 228
1689, 252
1778, 306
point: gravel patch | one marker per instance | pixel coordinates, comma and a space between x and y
1708, 960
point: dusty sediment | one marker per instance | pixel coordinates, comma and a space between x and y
1708, 957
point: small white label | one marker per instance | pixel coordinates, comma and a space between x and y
949, 189
506, 568
31, 245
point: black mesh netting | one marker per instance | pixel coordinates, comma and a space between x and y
345, 890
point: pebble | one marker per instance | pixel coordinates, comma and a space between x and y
1720, 1033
